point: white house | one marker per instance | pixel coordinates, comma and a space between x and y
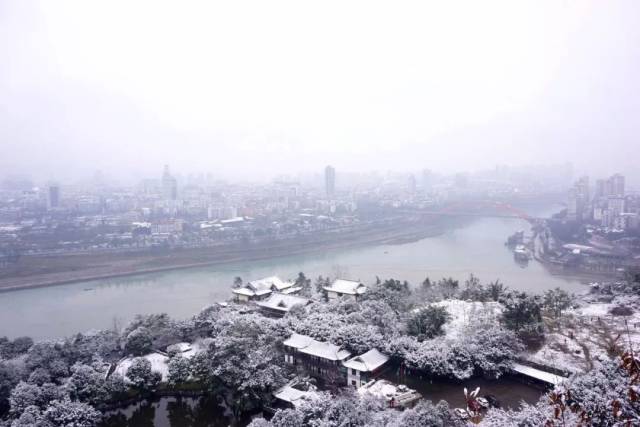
296, 392
260, 289
346, 288
279, 304
362, 369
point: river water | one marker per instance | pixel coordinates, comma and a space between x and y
474, 247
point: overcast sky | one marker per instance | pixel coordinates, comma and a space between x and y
255, 89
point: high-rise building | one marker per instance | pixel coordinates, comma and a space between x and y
427, 181
578, 209
330, 181
412, 184
169, 185
53, 196
616, 185
601, 189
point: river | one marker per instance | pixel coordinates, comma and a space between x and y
476, 246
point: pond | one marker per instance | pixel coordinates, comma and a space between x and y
172, 412
509, 391
206, 412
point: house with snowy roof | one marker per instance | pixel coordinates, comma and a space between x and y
278, 304
295, 393
362, 369
344, 288
319, 359
257, 290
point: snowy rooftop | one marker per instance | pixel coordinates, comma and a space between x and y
312, 347
538, 374
293, 395
291, 290
325, 350
282, 302
367, 362
263, 286
249, 292
349, 287
298, 341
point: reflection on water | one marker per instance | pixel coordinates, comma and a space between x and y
171, 412
477, 246
205, 412
509, 391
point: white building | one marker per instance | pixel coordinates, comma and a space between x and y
348, 288
262, 288
362, 369
279, 304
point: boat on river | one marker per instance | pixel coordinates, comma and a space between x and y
521, 253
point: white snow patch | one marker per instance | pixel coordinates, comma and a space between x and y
158, 364
462, 312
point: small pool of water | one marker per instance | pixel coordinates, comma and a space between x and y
205, 411
509, 391
171, 412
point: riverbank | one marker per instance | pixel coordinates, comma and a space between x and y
38, 272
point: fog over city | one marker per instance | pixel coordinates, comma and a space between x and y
252, 90
330, 213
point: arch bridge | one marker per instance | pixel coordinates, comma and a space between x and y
477, 208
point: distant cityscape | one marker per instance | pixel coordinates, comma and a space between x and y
199, 211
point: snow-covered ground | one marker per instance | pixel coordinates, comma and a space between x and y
589, 333
462, 312
158, 364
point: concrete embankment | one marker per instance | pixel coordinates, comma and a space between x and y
34, 272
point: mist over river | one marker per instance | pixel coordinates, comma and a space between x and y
476, 246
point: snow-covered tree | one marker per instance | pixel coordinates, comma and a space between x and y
428, 322
556, 301
305, 284
141, 375
9, 377
87, 385
473, 289
39, 376
66, 413
23, 396
138, 342
179, 370
10, 349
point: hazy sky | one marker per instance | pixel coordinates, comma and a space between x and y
261, 88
